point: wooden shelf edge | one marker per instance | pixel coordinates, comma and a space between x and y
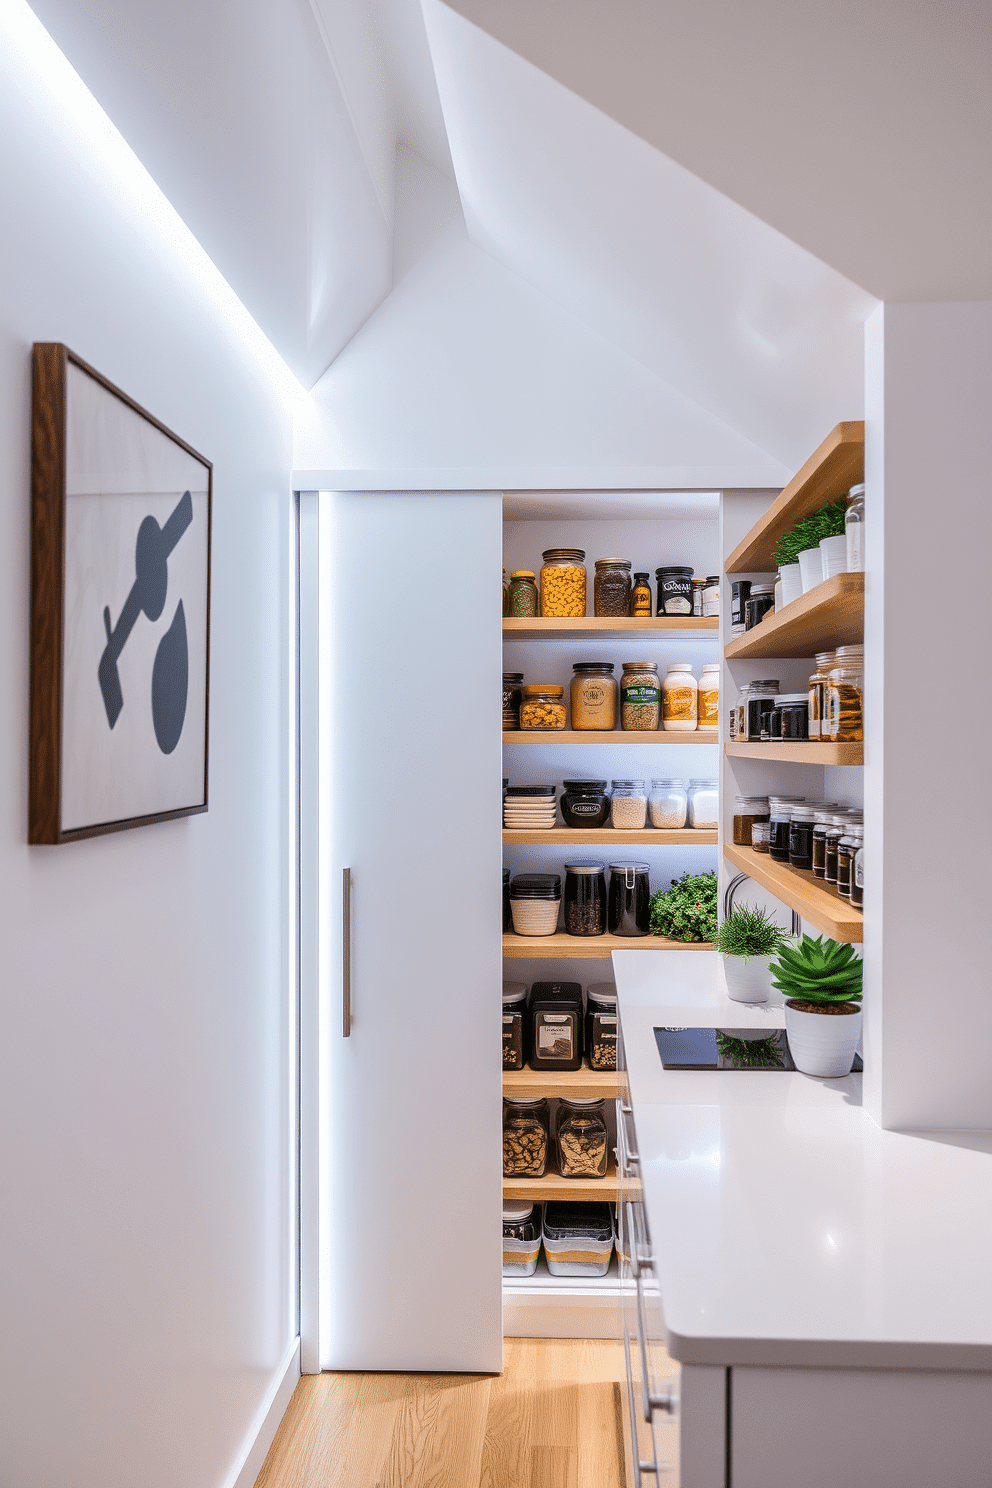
836, 465
799, 753
552, 1186
539, 628
608, 737
832, 614
608, 836
604, 1084
562, 947
808, 896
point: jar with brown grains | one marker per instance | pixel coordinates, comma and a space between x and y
594, 695
542, 707
611, 587
640, 696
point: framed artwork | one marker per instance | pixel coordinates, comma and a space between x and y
120, 609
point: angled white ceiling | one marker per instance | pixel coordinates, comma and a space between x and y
861, 129
700, 291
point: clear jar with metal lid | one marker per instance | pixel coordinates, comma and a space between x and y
801, 823
601, 1026
628, 806
521, 601
858, 877
793, 710
821, 821
668, 805
836, 828
542, 706
581, 1138
525, 1137
780, 816
640, 696
594, 696
760, 602
611, 587
704, 804
759, 703
679, 699
521, 1239
563, 583
585, 898
816, 694
846, 850
747, 811
844, 705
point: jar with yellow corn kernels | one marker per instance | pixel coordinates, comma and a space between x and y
563, 583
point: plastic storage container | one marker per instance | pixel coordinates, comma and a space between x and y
585, 898
668, 805
594, 696
640, 696
516, 1025
601, 1026
674, 590
585, 803
611, 587
629, 806
525, 1137
555, 1010
542, 706
578, 1238
708, 705
704, 805
521, 1239
581, 1139
563, 583
629, 911
679, 698
534, 901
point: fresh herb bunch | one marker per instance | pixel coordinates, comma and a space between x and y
818, 971
749, 932
765, 1053
688, 910
829, 522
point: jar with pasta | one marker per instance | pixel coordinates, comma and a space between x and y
525, 1137
708, 714
542, 707
563, 584
640, 696
594, 695
611, 587
581, 1138
521, 602
679, 698
844, 696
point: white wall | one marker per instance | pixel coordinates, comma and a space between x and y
146, 1283
928, 715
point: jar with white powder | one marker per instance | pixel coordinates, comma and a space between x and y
668, 804
704, 805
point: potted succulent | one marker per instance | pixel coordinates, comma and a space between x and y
821, 982
798, 553
747, 939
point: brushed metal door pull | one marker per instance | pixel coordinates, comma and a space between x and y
346, 953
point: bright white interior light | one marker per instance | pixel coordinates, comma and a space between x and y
30, 48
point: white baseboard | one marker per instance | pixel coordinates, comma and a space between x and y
259, 1437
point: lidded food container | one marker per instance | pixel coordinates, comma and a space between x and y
515, 1025
578, 1238
511, 699
780, 811
801, 822
563, 583
555, 1010
740, 590
816, 694
679, 698
585, 803
506, 592
522, 600
836, 828
530, 806
640, 696
629, 899
747, 811
854, 528
708, 710
759, 703
525, 1137
521, 1239
585, 899
794, 710
822, 818
629, 806
704, 805
542, 706
507, 912
847, 847
601, 1026
711, 597
858, 876
674, 590
668, 804
698, 586
534, 901
760, 600
611, 587
581, 1138
594, 695
641, 604
844, 696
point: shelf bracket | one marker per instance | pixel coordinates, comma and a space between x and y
728, 901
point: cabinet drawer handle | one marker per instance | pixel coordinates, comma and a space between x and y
639, 1465
346, 953
666, 1402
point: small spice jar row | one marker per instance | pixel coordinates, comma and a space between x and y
639, 701
561, 593
830, 711
547, 1028
578, 1238
821, 837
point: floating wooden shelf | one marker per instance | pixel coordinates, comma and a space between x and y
562, 947
832, 614
586, 1082
610, 836
609, 736
808, 896
830, 471
798, 753
538, 629
552, 1186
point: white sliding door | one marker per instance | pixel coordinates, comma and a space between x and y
408, 784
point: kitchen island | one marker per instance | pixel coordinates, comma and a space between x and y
825, 1285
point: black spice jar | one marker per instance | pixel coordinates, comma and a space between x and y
629, 908
674, 591
511, 699
794, 710
759, 602
802, 821
516, 1025
555, 1012
585, 803
585, 899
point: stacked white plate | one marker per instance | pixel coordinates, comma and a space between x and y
529, 807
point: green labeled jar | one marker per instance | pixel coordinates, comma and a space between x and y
640, 696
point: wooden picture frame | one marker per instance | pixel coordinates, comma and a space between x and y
121, 516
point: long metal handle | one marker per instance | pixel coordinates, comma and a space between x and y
728, 901
638, 1463
652, 1402
346, 953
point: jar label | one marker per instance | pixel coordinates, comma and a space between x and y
677, 604
709, 709
585, 808
639, 693
679, 703
593, 696
555, 1042
859, 868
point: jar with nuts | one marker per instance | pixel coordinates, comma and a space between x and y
542, 706
525, 1138
585, 898
640, 695
581, 1138
563, 583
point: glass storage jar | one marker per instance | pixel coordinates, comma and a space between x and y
601, 1026
775, 722
816, 694
854, 528
522, 601
611, 587
835, 831
821, 821
629, 806
801, 823
761, 836
629, 911
511, 699
556, 1025
534, 901
759, 602
542, 706
759, 703
578, 1238
585, 898
668, 805
858, 877
844, 715
711, 597
747, 811
846, 849
594, 696
563, 583
640, 600
640, 696
521, 1239
739, 729
704, 805
794, 710
525, 1137
698, 586
581, 1138
780, 815
708, 713
585, 803
674, 590
515, 1021
679, 698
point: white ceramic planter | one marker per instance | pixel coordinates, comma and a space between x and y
811, 568
823, 1044
748, 978
792, 583
833, 553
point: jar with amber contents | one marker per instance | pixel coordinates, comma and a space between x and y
611, 587
542, 707
641, 600
594, 695
844, 695
709, 696
563, 583
679, 698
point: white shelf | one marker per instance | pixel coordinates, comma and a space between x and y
546, 1306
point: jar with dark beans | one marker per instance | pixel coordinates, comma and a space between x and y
585, 899
611, 587
801, 837
522, 599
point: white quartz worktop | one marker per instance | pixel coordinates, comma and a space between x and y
787, 1228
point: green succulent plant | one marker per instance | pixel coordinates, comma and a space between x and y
749, 932
687, 911
818, 971
828, 522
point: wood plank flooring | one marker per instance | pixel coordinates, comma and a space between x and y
552, 1419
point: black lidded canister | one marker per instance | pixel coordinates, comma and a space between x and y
629, 902
556, 1025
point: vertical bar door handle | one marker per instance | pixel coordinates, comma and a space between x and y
346, 953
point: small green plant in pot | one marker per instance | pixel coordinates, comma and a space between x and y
746, 940
797, 553
822, 984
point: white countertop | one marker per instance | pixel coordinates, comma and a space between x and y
787, 1228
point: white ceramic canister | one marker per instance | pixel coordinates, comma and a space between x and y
833, 553
792, 583
811, 568
679, 698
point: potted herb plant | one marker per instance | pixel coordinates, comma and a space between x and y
821, 981
747, 940
798, 554
686, 911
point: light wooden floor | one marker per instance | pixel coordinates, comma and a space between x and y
551, 1420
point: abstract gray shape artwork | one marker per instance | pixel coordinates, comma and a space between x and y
170, 683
